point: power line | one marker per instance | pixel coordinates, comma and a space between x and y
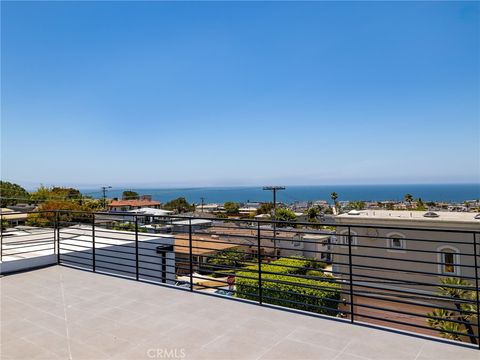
104, 191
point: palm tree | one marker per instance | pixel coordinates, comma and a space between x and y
334, 197
408, 198
460, 321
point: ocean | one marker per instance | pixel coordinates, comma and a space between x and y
435, 192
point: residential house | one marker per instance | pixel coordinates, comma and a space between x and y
145, 201
204, 247
12, 217
402, 252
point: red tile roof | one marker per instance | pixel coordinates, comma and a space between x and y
140, 203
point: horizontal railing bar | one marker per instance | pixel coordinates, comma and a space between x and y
267, 222
88, 259
410, 324
387, 298
77, 262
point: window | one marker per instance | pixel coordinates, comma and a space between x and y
448, 261
343, 237
396, 241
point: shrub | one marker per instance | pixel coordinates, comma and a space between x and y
462, 321
315, 273
285, 289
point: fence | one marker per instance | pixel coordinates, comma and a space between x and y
424, 280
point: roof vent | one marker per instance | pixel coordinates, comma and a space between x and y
477, 216
354, 212
430, 214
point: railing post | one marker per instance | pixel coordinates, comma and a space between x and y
190, 252
475, 254
1, 237
275, 239
93, 242
260, 295
137, 275
56, 230
350, 274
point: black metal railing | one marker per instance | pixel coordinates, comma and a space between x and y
421, 279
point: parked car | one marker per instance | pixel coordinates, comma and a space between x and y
224, 292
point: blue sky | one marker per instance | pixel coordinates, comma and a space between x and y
185, 94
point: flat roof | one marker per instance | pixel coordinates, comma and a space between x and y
413, 214
192, 221
151, 211
39, 241
407, 216
201, 245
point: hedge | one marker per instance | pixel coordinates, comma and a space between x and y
290, 291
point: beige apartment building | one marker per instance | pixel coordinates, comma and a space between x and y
387, 255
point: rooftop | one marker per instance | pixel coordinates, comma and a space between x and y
443, 216
9, 214
143, 202
64, 313
151, 211
201, 245
192, 222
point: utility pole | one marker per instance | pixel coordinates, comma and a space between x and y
274, 190
203, 202
104, 191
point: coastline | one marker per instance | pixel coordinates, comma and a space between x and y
453, 193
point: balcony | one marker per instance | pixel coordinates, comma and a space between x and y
64, 313
325, 290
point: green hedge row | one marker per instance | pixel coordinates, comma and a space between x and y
290, 291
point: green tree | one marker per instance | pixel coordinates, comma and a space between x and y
221, 215
356, 205
53, 199
12, 194
231, 207
43, 194
228, 258
464, 318
312, 213
328, 211
420, 205
408, 198
61, 193
48, 213
179, 205
286, 215
265, 208
130, 195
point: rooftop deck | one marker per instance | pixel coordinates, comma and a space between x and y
64, 313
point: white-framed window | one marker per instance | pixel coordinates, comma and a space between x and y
448, 260
343, 237
396, 241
